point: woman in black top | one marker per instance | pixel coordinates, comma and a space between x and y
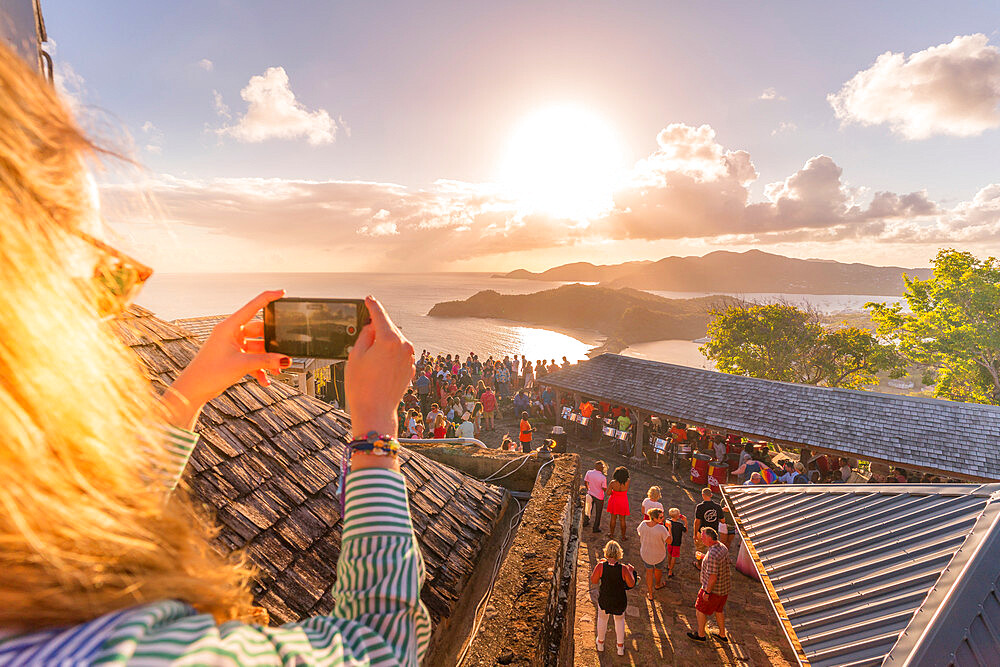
615, 578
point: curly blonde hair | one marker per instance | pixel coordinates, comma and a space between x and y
613, 551
86, 526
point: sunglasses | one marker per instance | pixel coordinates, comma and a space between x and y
117, 276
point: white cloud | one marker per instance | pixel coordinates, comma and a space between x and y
693, 187
690, 188
206, 64
785, 127
770, 94
951, 89
274, 113
379, 229
221, 108
153, 138
70, 86
381, 225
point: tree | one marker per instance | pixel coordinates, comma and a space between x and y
953, 327
782, 342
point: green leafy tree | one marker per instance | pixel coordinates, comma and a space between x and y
782, 342
953, 327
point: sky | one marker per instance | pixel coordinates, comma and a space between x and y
447, 136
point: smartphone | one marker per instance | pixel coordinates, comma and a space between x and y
314, 328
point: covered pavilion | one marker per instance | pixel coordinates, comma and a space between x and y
958, 440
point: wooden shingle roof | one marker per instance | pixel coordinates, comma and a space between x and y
961, 439
200, 327
268, 462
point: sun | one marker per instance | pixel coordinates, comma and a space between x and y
564, 161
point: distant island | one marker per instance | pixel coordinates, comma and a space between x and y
623, 315
736, 273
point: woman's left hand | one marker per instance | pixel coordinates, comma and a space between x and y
234, 349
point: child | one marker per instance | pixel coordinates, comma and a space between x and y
615, 579
411, 423
651, 500
678, 526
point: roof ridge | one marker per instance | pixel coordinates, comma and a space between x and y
990, 490
879, 395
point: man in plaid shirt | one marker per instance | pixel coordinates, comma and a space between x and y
716, 582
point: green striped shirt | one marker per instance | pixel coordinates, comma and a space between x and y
378, 618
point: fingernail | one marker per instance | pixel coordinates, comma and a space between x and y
285, 362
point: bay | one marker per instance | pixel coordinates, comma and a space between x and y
409, 296
406, 297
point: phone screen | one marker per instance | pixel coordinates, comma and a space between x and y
314, 328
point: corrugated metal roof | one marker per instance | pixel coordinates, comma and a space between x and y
962, 439
879, 574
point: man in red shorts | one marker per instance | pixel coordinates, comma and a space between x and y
716, 583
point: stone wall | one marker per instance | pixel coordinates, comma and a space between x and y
528, 620
512, 472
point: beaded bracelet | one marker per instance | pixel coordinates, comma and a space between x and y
379, 445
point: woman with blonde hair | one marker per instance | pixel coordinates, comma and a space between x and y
615, 579
651, 501
101, 561
440, 427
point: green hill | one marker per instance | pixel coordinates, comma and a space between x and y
738, 273
626, 316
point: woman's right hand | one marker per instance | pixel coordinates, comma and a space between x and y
379, 369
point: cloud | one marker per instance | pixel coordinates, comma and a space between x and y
71, 86
380, 225
379, 229
361, 219
220, 106
951, 89
153, 138
206, 64
691, 188
274, 113
785, 127
770, 94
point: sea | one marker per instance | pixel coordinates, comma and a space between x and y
409, 296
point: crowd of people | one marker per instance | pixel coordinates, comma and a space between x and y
661, 534
450, 398
747, 462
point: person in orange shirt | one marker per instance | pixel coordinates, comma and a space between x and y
679, 434
526, 432
586, 409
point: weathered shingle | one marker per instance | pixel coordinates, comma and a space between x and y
958, 438
268, 463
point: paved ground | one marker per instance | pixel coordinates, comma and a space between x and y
656, 630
